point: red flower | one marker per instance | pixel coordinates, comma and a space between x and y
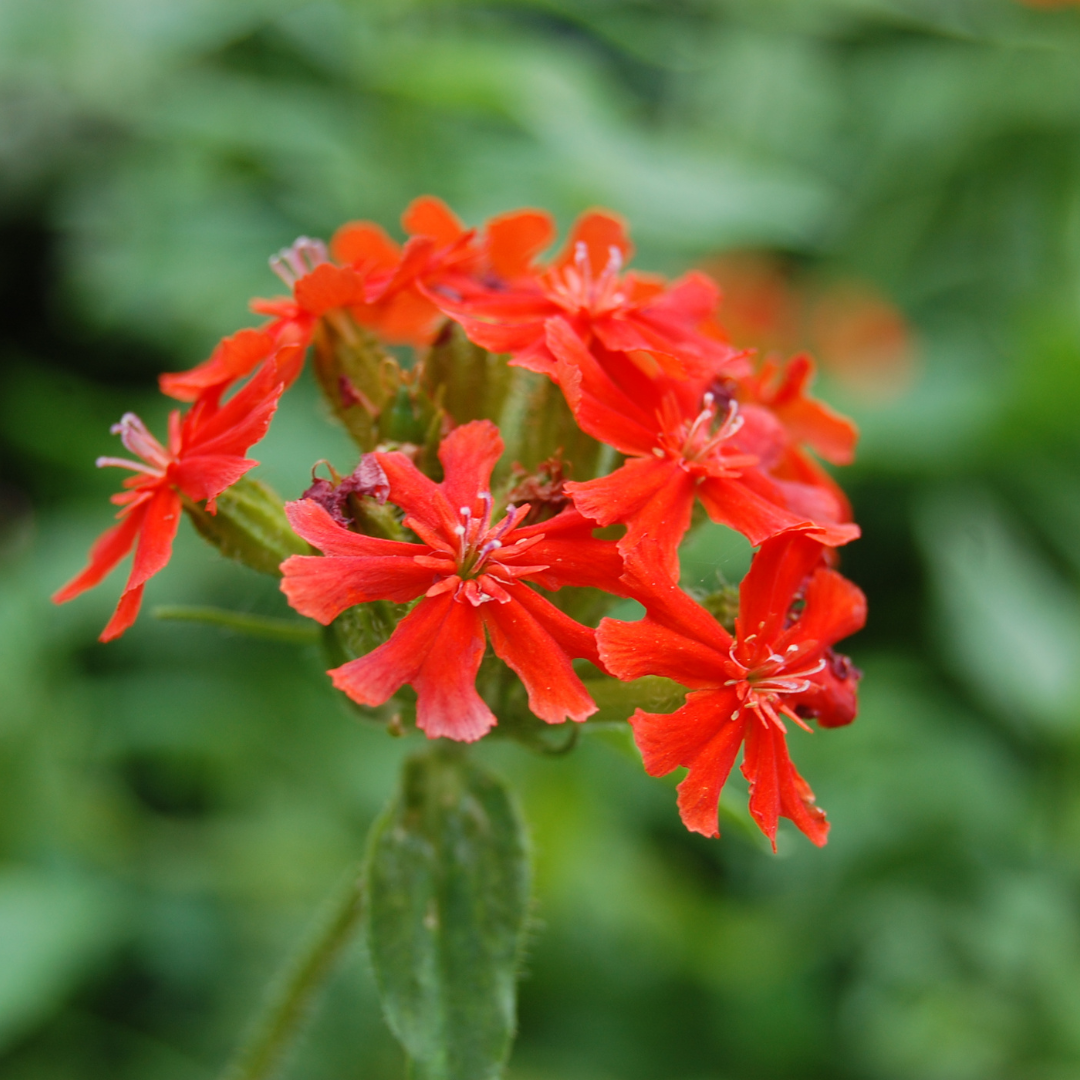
383, 286
783, 390
471, 574
393, 286
286, 337
779, 665
203, 457
608, 311
688, 439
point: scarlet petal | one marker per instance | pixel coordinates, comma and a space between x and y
654, 498
430, 216
405, 318
555, 691
312, 522
156, 537
571, 555
234, 357
666, 603
599, 231
372, 679
107, 551
776, 789
515, 239
631, 650
500, 339
418, 495
699, 792
206, 476
574, 639
623, 494
328, 287
734, 503
289, 360
835, 608
811, 421
323, 588
776, 573
365, 244
621, 335
469, 454
600, 407
448, 705
811, 502
693, 298
238, 424
832, 697
799, 466
670, 740
127, 611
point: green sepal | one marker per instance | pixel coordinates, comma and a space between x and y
448, 900
536, 423
470, 382
530, 410
250, 526
373, 518
357, 376
358, 630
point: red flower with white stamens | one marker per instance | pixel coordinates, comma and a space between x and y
397, 290
784, 390
688, 439
204, 455
285, 338
670, 328
778, 667
470, 573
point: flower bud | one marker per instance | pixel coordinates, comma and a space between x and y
357, 376
469, 382
250, 526
359, 629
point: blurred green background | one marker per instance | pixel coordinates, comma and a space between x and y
894, 182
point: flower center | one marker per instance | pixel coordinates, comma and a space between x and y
477, 540
702, 443
292, 263
136, 438
760, 688
575, 289
471, 565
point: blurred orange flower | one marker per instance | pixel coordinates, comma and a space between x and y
861, 338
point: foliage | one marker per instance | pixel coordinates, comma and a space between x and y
173, 809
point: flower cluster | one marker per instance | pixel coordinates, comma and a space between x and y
451, 533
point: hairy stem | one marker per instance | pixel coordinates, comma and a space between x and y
269, 627
290, 995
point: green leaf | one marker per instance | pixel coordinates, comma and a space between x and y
448, 891
1009, 622
618, 700
53, 929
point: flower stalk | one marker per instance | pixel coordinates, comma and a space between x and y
291, 995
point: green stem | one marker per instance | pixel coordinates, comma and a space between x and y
261, 626
290, 995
